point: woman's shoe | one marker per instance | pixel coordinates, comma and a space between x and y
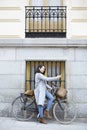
46, 113
42, 120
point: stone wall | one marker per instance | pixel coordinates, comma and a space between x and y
15, 52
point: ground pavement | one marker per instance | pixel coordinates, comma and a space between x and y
12, 124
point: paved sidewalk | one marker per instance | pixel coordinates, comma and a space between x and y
12, 124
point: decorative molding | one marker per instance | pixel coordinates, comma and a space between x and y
9, 20
44, 42
79, 8
79, 36
10, 36
79, 20
10, 8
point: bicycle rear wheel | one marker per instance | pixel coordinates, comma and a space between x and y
64, 112
20, 112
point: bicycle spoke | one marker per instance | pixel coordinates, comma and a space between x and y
20, 111
65, 115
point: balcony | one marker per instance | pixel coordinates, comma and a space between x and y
45, 21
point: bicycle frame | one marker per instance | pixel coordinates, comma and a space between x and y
24, 97
58, 101
28, 106
25, 106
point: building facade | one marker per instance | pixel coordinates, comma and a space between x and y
49, 32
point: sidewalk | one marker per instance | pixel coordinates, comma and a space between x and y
12, 124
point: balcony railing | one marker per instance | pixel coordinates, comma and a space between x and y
45, 21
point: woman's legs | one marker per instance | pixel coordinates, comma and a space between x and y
40, 110
50, 98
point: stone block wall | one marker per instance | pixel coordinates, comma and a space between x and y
15, 52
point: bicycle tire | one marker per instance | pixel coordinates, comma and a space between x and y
18, 110
66, 114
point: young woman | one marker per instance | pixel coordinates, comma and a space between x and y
41, 92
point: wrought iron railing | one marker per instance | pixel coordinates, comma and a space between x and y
45, 21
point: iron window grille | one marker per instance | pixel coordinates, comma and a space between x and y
53, 68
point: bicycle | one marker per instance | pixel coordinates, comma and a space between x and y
24, 108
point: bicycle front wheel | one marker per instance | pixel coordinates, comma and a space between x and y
20, 112
64, 112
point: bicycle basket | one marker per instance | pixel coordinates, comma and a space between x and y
29, 92
61, 92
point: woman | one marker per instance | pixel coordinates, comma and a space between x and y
41, 92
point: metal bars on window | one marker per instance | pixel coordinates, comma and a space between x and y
53, 68
45, 19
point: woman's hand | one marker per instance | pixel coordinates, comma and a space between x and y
58, 76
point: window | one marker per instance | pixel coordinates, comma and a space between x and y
55, 3
45, 21
52, 69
